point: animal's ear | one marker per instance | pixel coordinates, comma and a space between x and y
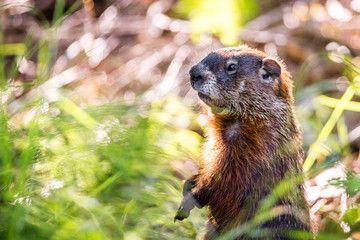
270, 69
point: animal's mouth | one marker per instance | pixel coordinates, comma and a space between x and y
215, 107
205, 98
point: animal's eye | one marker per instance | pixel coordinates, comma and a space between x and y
232, 68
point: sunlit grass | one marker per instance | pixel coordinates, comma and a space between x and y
316, 149
105, 180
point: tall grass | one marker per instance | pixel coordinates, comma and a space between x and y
70, 172
64, 178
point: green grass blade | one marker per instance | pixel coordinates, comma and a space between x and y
80, 115
12, 49
333, 102
315, 149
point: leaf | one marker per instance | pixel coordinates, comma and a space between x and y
12, 49
351, 184
352, 216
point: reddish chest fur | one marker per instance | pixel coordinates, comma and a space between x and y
238, 166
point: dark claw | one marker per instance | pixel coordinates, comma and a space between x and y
189, 201
181, 215
187, 204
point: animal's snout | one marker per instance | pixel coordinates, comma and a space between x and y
196, 75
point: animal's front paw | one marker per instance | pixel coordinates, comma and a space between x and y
187, 204
181, 214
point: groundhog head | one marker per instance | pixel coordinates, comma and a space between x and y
242, 81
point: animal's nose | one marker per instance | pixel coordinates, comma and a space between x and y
195, 75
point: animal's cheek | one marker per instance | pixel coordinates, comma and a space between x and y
241, 87
230, 96
206, 88
215, 93
222, 78
211, 88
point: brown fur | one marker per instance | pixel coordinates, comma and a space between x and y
252, 143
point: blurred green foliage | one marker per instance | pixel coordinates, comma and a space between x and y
12, 49
222, 18
63, 178
101, 172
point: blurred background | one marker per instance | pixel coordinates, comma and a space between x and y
99, 125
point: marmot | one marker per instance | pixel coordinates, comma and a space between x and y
252, 144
